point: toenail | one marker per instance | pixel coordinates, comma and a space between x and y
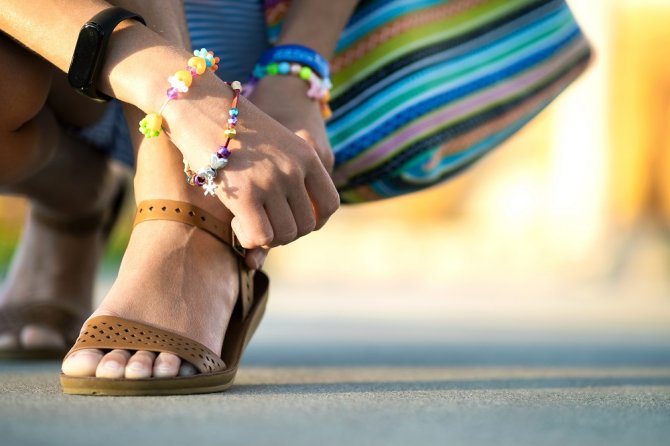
136, 367
112, 365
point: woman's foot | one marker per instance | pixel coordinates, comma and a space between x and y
175, 277
57, 258
54, 267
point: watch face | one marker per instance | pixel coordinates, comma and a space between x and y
86, 53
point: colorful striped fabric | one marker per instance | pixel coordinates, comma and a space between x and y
424, 88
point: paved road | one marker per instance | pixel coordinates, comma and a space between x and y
342, 378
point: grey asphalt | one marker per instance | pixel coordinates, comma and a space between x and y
334, 379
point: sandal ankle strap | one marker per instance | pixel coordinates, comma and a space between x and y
189, 214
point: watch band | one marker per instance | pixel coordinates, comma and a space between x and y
89, 52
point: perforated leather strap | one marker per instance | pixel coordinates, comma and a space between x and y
190, 215
108, 332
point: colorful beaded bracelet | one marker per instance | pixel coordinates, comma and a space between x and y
319, 89
298, 54
150, 125
205, 177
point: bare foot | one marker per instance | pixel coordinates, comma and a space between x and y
54, 267
55, 261
175, 277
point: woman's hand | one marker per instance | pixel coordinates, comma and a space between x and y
274, 183
285, 99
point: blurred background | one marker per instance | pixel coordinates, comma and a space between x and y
561, 235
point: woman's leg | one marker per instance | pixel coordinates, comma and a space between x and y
172, 276
63, 181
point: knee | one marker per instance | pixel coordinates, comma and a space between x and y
25, 85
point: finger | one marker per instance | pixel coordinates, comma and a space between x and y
303, 211
252, 226
323, 193
323, 149
283, 222
255, 258
328, 158
306, 136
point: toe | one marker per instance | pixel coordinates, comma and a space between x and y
8, 340
140, 365
113, 364
82, 363
187, 369
43, 337
166, 365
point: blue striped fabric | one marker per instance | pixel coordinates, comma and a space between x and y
233, 29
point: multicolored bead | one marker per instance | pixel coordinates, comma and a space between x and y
230, 133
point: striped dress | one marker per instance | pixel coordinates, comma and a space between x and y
419, 97
422, 88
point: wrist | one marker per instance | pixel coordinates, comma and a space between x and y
207, 101
137, 65
300, 63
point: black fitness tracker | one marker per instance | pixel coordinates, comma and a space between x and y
89, 53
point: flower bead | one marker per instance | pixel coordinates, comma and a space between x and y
202, 52
209, 58
212, 61
150, 125
198, 63
185, 76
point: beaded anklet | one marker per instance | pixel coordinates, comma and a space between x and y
150, 125
205, 177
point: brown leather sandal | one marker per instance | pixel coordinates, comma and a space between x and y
57, 315
216, 372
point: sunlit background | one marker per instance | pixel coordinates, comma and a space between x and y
563, 231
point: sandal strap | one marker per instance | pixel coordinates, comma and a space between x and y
189, 214
110, 332
14, 317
